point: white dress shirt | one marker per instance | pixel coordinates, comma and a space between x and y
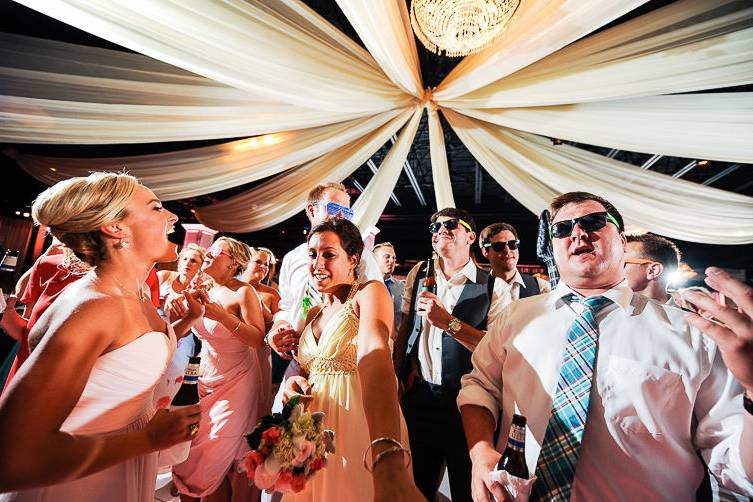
430, 340
661, 391
505, 293
294, 275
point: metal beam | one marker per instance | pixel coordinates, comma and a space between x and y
685, 169
613, 153
722, 174
412, 178
373, 168
650, 162
478, 185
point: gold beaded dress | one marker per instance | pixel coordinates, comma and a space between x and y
336, 390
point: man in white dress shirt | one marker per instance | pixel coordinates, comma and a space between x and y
650, 260
500, 245
661, 389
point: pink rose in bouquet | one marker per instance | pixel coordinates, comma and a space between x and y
287, 449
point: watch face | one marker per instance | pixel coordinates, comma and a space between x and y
454, 325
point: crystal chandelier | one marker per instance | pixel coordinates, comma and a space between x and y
460, 27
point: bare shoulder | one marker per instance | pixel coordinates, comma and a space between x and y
87, 318
372, 291
165, 275
263, 288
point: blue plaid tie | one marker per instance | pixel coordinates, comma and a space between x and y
555, 468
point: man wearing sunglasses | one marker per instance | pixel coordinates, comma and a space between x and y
433, 349
649, 262
499, 244
619, 391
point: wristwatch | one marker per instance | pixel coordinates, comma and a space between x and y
747, 403
454, 325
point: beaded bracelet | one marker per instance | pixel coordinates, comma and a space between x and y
380, 456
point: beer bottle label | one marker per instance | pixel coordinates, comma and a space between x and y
517, 438
192, 374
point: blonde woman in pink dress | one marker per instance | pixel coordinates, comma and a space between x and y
234, 379
77, 422
347, 372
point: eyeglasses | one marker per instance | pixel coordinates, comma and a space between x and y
588, 223
500, 246
450, 225
638, 261
216, 251
336, 210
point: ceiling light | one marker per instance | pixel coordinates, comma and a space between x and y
26, 215
702, 163
460, 27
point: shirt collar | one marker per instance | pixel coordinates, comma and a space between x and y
621, 294
468, 270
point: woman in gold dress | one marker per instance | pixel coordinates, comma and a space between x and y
346, 372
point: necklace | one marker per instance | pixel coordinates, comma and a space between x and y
140, 295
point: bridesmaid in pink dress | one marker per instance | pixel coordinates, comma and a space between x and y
77, 422
234, 382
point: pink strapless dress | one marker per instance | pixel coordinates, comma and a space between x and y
234, 387
117, 398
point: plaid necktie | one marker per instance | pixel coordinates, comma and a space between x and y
311, 298
555, 468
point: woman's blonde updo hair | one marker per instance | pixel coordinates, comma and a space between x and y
240, 251
74, 209
195, 248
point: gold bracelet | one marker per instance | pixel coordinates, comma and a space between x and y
398, 446
237, 326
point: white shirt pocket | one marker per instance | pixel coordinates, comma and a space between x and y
639, 398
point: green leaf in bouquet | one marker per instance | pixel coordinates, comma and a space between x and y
287, 410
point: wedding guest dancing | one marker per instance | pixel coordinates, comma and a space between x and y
345, 357
626, 424
233, 382
77, 422
173, 284
260, 266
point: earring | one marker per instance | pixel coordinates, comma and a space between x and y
123, 244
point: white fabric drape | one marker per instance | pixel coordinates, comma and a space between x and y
715, 126
187, 173
371, 203
539, 28
384, 27
55, 92
279, 50
285, 195
533, 171
687, 46
440, 172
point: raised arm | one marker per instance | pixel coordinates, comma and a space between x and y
391, 478
35, 451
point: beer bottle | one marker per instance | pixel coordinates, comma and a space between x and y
430, 282
187, 395
513, 459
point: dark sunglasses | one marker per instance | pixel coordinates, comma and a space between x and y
450, 225
500, 246
589, 223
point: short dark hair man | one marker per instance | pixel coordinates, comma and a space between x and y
384, 252
433, 349
500, 245
630, 419
649, 261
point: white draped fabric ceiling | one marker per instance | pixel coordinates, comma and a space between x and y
317, 105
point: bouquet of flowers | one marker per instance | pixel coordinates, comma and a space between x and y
287, 449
